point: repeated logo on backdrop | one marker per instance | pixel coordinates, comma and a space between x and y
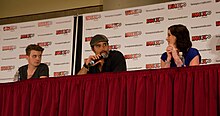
133, 34
155, 20
9, 28
201, 37
93, 17
144, 33
44, 44
133, 12
206, 61
132, 56
63, 31
22, 56
176, 5
45, 24
26, 36
61, 73
217, 23
155, 43
8, 48
88, 39
7, 68
54, 35
113, 25
62, 52
201, 14
153, 66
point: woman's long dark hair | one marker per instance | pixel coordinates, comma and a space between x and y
181, 33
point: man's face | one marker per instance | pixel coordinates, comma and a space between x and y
101, 47
34, 59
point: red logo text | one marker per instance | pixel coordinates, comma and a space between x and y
8, 48
45, 23
112, 25
25, 36
61, 73
206, 61
201, 14
62, 52
88, 39
132, 56
22, 56
133, 12
155, 20
7, 68
153, 66
176, 5
154, 43
63, 31
217, 47
9, 28
44, 44
217, 23
201, 37
133, 34
93, 17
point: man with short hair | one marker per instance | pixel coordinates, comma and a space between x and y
105, 60
34, 68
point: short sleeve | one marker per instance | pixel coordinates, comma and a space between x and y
44, 70
193, 53
164, 56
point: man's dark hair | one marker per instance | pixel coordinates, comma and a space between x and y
181, 33
33, 47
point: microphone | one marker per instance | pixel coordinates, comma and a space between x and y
182, 58
103, 55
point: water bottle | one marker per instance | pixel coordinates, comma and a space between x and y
16, 76
182, 58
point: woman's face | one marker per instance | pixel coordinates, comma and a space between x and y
171, 39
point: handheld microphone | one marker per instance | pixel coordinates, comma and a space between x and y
103, 55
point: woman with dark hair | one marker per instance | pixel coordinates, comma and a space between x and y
179, 51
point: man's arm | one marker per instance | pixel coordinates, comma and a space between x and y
44, 73
120, 63
83, 70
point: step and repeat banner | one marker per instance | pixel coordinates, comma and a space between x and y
140, 33
54, 35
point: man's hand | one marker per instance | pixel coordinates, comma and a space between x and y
93, 58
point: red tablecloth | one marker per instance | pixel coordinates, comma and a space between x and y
189, 91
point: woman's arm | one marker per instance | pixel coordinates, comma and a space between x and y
165, 64
194, 61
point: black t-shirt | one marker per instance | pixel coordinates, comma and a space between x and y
114, 63
42, 70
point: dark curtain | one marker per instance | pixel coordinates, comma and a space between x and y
190, 91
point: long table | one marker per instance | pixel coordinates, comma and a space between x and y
188, 91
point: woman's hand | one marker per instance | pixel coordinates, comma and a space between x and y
169, 53
173, 52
